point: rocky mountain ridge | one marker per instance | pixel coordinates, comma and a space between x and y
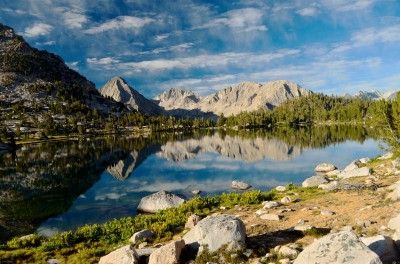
375, 95
28, 75
120, 91
246, 96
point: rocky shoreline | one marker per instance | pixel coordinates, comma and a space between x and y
336, 216
352, 219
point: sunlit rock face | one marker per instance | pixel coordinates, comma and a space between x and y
246, 96
249, 150
120, 91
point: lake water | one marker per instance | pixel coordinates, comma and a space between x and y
53, 187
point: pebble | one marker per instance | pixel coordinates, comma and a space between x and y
327, 212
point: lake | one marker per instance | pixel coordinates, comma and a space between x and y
56, 186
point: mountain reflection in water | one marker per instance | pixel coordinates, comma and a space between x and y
58, 186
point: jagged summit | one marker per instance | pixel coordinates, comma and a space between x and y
368, 95
245, 96
375, 95
120, 91
177, 99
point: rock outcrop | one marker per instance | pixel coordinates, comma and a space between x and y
159, 201
384, 247
168, 254
342, 247
314, 181
124, 255
216, 231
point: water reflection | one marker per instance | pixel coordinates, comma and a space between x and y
62, 185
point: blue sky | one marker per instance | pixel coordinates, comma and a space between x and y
329, 46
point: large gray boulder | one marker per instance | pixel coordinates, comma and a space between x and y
342, 247
360, 172
239, 185
384, 247
355, 164
159, 201
123, 255
144, 235
325, 167
216, 231
314, 181
168, 254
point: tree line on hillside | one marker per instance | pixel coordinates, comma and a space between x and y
313, 109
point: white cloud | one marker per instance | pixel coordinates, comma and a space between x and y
245, 20
208, 61
308, 11
38, 29
47, 43
159, 38
175, 48
121, 22
73, 19
347, 5
102, 61
368, 37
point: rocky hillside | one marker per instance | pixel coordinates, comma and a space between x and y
38, 79
120, 91
246, 96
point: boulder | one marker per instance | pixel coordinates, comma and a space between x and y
395, 194
144, 235
333, 173
360, 172
271, 204
333, 185
342, 247
239, 185
365, 160
168, 254
314, 181
394, 223
288, 252
286, 200
145, 252
280, 188
384, 247
192, 221
352, 166
216, 231
159, 201
270, 217
325, 167
123, 255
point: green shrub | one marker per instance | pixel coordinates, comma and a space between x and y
33, 240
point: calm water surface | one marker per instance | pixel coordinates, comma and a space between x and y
53, 187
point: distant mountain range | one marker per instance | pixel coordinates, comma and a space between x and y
246, 96
376, 95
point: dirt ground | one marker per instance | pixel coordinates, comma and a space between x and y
363, 207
